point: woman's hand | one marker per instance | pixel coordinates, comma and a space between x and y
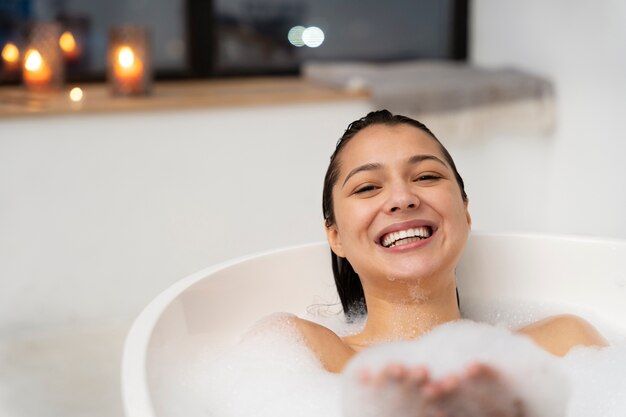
477, 391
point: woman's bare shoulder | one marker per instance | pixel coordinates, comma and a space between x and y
327, 345
559, 334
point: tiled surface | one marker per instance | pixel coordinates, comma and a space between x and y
63, 372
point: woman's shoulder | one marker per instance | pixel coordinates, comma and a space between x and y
559, 334
327, 345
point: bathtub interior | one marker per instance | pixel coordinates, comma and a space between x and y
501, 277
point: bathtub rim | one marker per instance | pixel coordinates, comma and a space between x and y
136, 397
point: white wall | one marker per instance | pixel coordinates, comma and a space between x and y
98, 214
503, 178
581, 46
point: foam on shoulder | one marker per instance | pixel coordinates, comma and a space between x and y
271, 372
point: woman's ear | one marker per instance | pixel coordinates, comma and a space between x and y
334, 240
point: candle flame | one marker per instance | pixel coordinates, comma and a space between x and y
33, 60
67, 42
10, 53
126, 57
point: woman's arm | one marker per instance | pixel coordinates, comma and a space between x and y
559, 334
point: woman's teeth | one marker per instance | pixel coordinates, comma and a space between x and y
402, 237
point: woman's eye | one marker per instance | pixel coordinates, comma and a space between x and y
427, 177
365, 189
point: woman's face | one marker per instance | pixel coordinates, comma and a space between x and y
398, 208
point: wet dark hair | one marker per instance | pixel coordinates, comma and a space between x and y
346, 279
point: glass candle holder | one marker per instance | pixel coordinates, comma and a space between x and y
10, 58
129, 61
43, 67
74, 44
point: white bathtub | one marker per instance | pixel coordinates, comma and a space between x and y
210, 308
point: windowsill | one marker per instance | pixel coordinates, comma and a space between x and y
18, 102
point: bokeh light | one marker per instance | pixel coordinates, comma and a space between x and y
126, 57
10, 53
295, 36
67, 42
76, 94
33, 60
313, 36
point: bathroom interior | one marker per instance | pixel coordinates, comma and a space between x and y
106, 199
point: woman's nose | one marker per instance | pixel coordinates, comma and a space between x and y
402, 197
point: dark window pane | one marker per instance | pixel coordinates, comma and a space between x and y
203, 38
253, 34
89, 23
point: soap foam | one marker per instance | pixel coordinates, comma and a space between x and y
531, 373
599, 381
271, 372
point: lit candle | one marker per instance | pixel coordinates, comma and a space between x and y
11, 57
128, 69
129, 64
68, 45
37, 74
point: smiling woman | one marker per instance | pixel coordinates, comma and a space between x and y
397, 221
411, 187
385, 125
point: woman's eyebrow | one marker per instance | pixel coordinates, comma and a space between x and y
360, 168
416, 159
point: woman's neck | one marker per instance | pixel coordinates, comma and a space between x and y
405, 318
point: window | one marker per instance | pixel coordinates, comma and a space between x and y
202, 38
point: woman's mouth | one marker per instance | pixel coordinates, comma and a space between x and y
403, 237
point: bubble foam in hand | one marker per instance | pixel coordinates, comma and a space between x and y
508, 376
